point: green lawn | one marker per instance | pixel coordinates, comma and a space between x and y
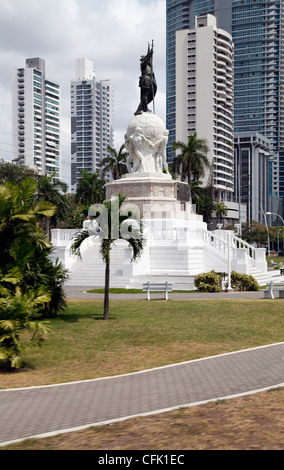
142, 335
116, 290
276, 259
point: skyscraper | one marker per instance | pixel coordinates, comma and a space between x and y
36, 118
91, 120
181, 15
204, 96
257, 28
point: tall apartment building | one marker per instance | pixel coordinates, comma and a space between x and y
252, 152
257, 28
91, 120
204, 96
36, 118
181, 15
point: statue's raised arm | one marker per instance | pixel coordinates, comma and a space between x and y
147, 81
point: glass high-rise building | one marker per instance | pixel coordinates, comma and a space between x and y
257, 28
36, 118
91, 120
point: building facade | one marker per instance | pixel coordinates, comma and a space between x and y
91, 121
252, 154
257, 31
204, 96
36, 118
181, 15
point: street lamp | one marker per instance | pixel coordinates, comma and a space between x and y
274, 213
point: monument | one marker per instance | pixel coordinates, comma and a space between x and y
178, 243
148, 183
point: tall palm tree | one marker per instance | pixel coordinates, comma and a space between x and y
51, 189
90, 189
115, 162
196, 191
191, 161
135, 240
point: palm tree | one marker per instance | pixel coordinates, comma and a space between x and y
50, 189
191, 161
220, 210
20, 234
24, 247
90, 189
135, 240
196, 191
115, 162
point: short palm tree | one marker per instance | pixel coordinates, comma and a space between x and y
191, 161
90, 189
134, 238
115, 162
25, 248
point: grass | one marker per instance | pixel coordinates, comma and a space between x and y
275, 259
142, 335
252, 422
116, 290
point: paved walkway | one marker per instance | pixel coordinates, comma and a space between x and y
47, 410
80, 293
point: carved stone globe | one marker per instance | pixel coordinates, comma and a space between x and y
146, 140
151, 125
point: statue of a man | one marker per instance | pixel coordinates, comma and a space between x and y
147, 81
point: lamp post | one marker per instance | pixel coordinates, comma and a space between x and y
274, 213
267, 230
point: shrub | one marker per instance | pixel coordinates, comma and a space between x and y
208, 282
18, 313
243, 282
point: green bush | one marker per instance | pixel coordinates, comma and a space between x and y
243, 282
18, 313
208, 282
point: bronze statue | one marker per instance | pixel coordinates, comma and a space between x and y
147, 81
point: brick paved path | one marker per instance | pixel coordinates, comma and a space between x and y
50, 409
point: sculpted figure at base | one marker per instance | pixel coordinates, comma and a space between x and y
144, 154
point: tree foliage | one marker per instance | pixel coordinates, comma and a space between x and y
115, 162
53, 190
90, 189
118, 224
29, 279
191, 159
16, 173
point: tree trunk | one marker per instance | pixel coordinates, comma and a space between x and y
106, 299
47, 227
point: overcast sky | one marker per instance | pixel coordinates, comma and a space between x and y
111, 33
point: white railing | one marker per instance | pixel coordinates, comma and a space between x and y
243, 254
62, 237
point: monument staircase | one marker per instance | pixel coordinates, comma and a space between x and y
164, 258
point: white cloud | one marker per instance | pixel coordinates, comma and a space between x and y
111, 33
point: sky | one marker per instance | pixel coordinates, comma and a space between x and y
114, 34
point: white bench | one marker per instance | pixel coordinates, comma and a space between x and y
268, 291
157, 287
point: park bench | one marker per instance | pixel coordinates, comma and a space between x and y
268, 291
157, 287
